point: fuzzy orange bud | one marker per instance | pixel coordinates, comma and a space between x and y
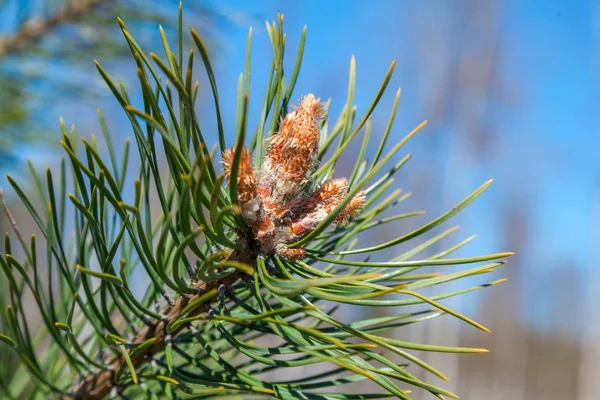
276, 209
292, 254
352, 209
290, 155
246, 179
330, 192
293, 150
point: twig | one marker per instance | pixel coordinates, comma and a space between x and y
37, 27
100, 384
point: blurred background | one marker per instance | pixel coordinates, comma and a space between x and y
510, 89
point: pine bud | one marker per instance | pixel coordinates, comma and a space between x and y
276, 208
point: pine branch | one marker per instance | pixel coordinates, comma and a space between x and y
35, 28
274, 214
100, 384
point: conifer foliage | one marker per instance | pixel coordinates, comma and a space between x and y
248, 251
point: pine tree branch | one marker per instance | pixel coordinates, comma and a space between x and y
36, 28
280, 206
100, 384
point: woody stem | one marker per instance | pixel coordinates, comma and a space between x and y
101, 383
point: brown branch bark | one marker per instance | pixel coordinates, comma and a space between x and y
36, 28
100, 384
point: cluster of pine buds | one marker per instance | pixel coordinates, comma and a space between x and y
273, 201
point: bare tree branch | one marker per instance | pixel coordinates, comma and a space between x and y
35, 28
